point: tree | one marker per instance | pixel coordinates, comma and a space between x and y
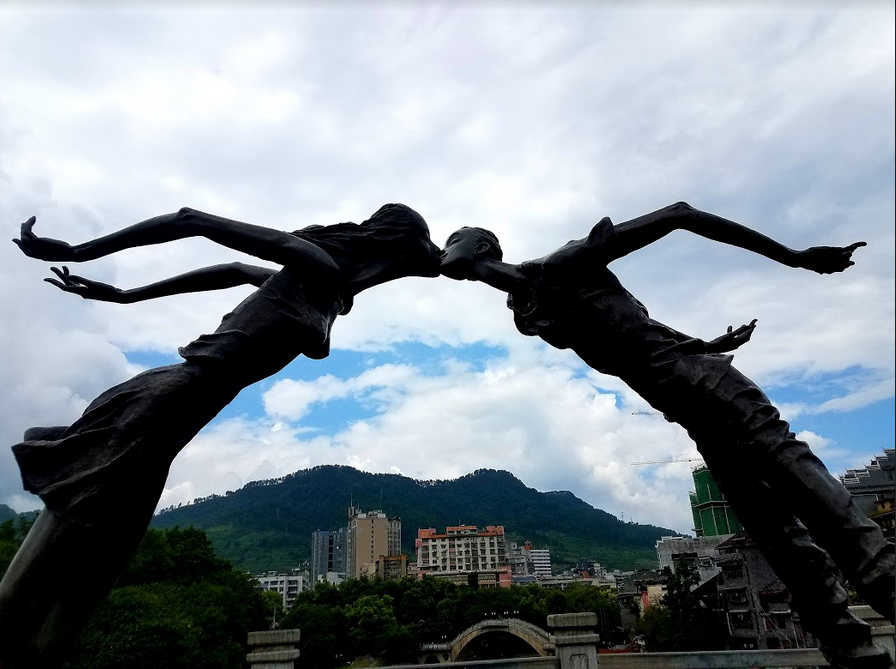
371, 619
324, 633
681, 622
174, 555
273, 603
12, 534
176, 606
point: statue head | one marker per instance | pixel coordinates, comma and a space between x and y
466, 246
394, 240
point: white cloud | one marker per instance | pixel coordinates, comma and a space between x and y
550, 428
532, 121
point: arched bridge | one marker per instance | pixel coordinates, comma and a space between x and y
454, 650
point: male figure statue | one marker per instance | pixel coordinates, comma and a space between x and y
803, 519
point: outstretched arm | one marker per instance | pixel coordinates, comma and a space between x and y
208, 278
274, 245
729, 341
639, 232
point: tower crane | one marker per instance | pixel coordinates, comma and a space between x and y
666, 461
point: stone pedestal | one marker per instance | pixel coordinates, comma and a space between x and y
273, 650
575, 639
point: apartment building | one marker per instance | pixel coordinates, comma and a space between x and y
329, 553
287, 584
540, 559
464, 550
874, 489
755, 602
371, 535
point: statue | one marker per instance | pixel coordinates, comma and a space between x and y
802, 517
101, 477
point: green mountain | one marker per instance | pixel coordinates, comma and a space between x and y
267, 525
6, 513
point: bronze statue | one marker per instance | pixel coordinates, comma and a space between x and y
802, 517
101, 477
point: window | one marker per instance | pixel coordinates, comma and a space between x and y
734, 572
740, 619
737, 596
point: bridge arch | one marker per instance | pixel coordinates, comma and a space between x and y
453, 650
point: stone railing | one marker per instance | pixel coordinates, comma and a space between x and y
574, 642
275, 649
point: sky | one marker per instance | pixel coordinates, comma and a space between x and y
532, 119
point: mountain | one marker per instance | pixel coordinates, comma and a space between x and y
6, 513
267, 525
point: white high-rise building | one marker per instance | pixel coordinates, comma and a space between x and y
540, 561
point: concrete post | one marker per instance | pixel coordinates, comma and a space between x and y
275, 649
883, 633
575, 639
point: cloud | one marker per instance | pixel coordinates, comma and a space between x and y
566, 435
533, 121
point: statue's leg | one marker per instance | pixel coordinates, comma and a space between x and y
806, 569
772, 479
820, 501
26, 591
102, 477
54, 558
60, 574
74, 605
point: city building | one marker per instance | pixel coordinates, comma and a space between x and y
333, 577
329, 553
586, 568
700, 553
540, 559
527, 561
754, 601
636, 591
371, 535
874, 489
712, 514
464, 554
568, 580
287, 585
517, 559
392, 566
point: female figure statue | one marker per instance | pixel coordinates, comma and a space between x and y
101, 477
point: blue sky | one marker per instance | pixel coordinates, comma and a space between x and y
532, 119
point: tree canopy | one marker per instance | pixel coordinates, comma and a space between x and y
177, 606
388, 619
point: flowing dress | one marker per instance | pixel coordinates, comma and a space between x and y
113, 461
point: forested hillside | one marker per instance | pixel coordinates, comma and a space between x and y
6, 513
267, 525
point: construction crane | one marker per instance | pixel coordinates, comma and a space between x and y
666, 461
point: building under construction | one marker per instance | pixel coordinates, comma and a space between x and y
712, 514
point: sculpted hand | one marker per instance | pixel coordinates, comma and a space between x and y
828, 259
43, 248
732, 339
86, 288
